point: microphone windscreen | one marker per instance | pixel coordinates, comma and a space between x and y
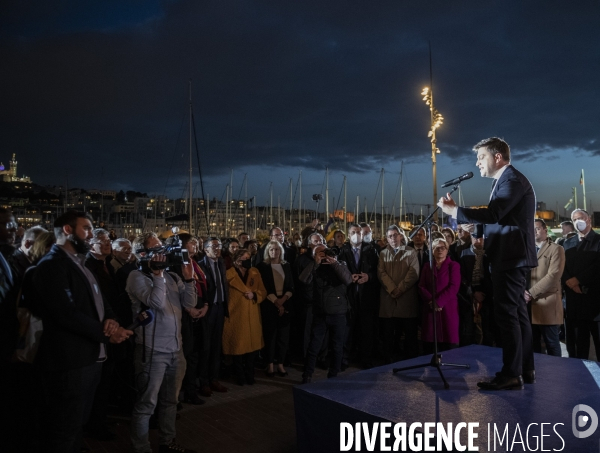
142, 319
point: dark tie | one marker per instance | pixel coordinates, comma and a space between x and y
419, 253
356, 257
537, 249
218, 282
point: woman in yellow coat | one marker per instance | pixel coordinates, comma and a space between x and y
242, 333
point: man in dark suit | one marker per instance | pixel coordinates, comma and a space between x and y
362, 259
276, 234
580, 280
217, 298
77, 325
510, 244
419, 243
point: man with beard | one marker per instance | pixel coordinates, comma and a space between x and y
77, 326
362, 259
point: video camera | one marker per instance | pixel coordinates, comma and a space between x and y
173, 251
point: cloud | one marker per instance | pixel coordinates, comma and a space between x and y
101, 95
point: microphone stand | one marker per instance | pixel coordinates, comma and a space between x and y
436, 359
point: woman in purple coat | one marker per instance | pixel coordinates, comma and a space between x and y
447, 275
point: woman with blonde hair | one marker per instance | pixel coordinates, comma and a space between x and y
279, 283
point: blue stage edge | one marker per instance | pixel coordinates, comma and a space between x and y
557, 413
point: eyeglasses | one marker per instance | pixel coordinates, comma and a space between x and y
217, 246
101, 241
395, 235
441, 247
11, 225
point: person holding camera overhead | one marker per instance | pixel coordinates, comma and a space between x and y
159, 361
330, 279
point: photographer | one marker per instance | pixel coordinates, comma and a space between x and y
330, 279
158, 354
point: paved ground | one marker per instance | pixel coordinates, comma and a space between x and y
254, 419
257, 418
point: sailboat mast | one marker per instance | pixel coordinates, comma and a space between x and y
345, 209
271, 206
246, 202
230, 218
326, 193
401, 183
382, 208
291, 207
190, 204
300, 223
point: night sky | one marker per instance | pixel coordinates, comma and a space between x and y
99, 94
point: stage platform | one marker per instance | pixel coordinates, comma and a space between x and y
418, 395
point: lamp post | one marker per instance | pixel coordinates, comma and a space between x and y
436, 121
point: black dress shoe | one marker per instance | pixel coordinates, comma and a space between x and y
529, 377
282, 373
306, 379
194, 399
503, 383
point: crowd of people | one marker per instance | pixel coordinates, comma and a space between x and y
69, 299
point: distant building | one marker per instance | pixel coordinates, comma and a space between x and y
10, 175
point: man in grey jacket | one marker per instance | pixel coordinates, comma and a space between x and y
159, 361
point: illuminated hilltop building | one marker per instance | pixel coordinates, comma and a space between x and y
10, 175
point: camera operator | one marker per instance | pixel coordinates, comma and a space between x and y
158, 354
330, 279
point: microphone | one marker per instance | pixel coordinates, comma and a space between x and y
458, 180
142, 319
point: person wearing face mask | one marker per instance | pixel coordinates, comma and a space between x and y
367, 235
582, 288
363, 294
242, 331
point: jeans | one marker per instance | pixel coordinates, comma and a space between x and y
550, 335
158, 380
321, 324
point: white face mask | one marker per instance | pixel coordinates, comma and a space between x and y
298, 242
368, 238
356, 238
581, 225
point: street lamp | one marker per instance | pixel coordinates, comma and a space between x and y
436, 121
